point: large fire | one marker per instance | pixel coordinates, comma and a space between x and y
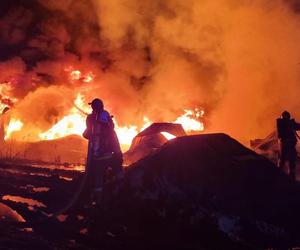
137, 55
74, 122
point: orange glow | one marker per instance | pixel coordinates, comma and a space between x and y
20, 199
5, 95
168, 136
75, 74
89, 77
80, 102
188, 121
13, 126
74, 124
125, 135
70, 124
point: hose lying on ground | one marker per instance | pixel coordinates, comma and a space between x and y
74, 198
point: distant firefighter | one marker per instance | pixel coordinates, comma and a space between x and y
104, 149
286, 131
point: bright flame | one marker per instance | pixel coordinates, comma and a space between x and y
80, 102
70, 124
147, 123
13, 126
89, 77
168, 136
125, 135
74, 123
75, 74
189, 123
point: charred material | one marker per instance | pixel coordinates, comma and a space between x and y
195, 192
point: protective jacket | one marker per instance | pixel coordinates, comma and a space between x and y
100, 131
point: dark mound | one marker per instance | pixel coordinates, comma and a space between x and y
194, 192
201, 192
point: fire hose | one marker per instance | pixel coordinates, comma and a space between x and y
88, 168
75, 197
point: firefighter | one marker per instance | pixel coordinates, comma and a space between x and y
286, 131
104, 149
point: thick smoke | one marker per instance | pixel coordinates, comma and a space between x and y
239, 60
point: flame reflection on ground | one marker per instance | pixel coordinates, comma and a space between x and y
30, 202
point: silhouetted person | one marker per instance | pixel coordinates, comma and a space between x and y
286, 130
104, 149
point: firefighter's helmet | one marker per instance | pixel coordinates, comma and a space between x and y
96, 104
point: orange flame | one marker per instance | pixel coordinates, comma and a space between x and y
188, 122
5, 95
74, 123
168, 136
75, 75
13, 126
70, 124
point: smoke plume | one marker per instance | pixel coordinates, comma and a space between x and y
238, 60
